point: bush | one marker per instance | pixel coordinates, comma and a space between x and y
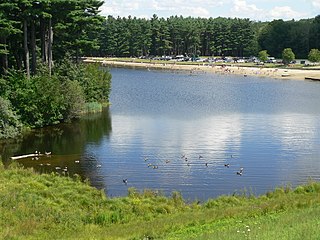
92, 107
287, 55
314, 55
95, 82
47, 99
50, 101
74, 99
263, 55
38, 100
10, 125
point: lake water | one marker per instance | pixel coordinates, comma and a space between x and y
175, 131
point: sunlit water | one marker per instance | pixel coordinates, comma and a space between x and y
268, 127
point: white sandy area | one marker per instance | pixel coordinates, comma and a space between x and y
294, 74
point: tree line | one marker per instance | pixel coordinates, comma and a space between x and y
131, 36
301, 36
176, 36
33, 31
45, 29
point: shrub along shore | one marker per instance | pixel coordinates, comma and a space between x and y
50, 98
48, 206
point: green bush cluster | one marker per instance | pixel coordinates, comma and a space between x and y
10, 124
45, 99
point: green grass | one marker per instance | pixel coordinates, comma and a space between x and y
50, 206
92, 107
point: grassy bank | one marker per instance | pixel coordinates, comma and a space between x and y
45, 206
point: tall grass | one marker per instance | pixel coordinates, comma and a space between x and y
93, 107
49, 206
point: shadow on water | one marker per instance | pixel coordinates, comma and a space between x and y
66, 142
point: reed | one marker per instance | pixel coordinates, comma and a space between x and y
93, 107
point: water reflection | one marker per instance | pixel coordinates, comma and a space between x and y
67, 142
299, 135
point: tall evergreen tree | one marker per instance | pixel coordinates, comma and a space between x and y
314, 40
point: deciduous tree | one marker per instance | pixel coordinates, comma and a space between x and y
287, 55
314, 55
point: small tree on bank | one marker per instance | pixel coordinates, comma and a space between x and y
263, 55
287, 55
314, 55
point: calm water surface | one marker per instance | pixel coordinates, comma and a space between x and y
270, 128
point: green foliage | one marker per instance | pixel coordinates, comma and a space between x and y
22, 95
10, 125
287, 55
279, 34
177, 35
124, 37
74, 99
314, 55
45, 100
96, 83
314, 33
76, 26
39, 100
263, 55
92, 107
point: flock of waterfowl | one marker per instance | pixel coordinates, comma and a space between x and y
37, 155
183, 157
188, 163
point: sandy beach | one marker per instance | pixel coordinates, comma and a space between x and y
293, 74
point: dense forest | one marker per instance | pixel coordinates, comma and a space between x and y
207, 37
49, 30
52, 29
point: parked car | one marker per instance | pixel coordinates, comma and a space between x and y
271, 60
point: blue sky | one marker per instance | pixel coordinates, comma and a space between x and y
254, 9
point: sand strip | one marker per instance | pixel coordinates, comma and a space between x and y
293, 74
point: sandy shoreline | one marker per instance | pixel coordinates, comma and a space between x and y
293, 74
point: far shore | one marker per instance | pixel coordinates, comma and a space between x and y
278, 73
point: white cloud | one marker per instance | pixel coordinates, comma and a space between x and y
199, 8
216, 132
316, 3
242, 9
253, 9
245, 10
121, 8
285, 12
243, 6
200, 11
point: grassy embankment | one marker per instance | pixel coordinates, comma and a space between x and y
35, 206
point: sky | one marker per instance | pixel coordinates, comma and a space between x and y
258, 10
